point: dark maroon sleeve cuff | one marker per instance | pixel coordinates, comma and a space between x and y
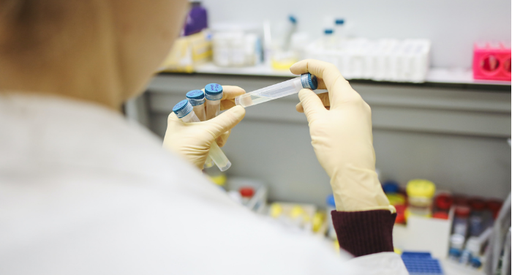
364, 232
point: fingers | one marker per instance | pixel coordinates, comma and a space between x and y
172, 118
339, 89
227, 104
228, 96
221, 141
324, 97
311, 103
230, 92
225, 121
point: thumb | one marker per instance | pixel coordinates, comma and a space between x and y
173, 119
225, 121
311, 103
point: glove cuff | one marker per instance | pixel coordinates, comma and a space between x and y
364, 232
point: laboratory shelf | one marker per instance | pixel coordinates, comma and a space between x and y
259, 70
435, 75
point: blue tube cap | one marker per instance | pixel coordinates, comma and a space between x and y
182, 109
213, 91
196, 97
475, 262
339, 21
195, 94
454, 252
390, 187
330, 201
309, 81
328, 31
292, 19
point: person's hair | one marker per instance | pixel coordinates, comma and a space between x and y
41, 27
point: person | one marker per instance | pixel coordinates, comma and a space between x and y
83, 191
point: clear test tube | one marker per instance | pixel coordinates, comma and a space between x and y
285, 88
185, 112
196, 99
213, 93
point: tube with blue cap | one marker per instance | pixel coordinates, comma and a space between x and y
292, 27
213, 94
185, 112
338, 29
289, 87
196, 99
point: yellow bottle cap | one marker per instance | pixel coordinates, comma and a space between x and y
276, 210
296, 211
421, 188
318, 221
219, 180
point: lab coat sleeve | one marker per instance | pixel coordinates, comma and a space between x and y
364, 232
384, 263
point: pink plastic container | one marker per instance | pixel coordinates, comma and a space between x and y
491, 61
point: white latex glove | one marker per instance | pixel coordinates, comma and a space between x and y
342, 138
193, 140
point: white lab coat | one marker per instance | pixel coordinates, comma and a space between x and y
82, 191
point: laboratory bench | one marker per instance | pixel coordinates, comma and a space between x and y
451, 130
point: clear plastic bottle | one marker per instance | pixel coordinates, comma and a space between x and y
339, 31
456, 246
465, 257
329, 41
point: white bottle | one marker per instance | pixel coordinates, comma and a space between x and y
339, 31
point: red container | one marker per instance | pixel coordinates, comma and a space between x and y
491, 61
443, 202
462, 211
477, 204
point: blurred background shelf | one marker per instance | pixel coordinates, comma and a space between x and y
435, 75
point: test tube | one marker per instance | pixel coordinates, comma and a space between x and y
278, 90
185, 112
213, 93
196, 99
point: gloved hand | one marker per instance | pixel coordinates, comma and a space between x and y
193, 140
342, 138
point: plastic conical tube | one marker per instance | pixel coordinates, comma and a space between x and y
278, 90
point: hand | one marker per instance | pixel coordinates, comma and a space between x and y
193, 140
341, 135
